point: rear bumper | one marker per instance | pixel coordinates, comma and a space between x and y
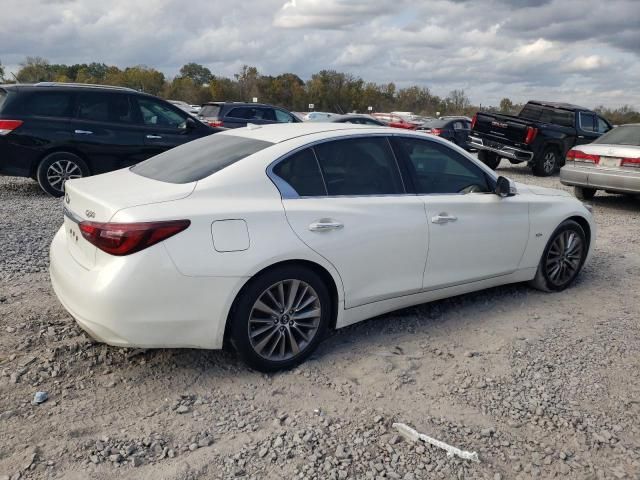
602, 179
16, 160
142, 300
503, 150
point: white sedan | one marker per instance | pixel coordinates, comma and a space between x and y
269, 236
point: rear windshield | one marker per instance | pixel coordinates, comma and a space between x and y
540, 113
199, 159
435, 123
210, 111
624, 135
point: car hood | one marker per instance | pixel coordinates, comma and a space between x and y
549, 192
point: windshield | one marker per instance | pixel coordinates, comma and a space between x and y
210, 111
198, 159
624, 135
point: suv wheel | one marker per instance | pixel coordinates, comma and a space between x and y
562, 259
547, 163
58, 167
490, 159
280, 318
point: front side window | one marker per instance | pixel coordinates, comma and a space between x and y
359, 166
587, 122
302, 173
196, 160
603, 126
49, 104
438, 169
158, 114
283, 117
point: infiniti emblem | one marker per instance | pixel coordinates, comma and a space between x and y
67, 199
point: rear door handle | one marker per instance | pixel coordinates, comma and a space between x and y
443, 218
154, 137
325, 225
84, 132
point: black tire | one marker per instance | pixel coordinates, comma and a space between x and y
60, 166
544, 279
583, 193
244, 331
548, 163
514, 162
490, 159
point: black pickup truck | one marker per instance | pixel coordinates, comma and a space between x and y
541, 134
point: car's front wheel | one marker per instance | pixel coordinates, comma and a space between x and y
58, 167
562, 259
280, 317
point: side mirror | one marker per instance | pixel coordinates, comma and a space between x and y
190, 124
505, 187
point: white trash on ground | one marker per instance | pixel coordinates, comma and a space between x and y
412, 435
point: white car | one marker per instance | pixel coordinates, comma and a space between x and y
268, 236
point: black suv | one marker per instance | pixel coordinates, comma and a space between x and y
238, 114
53, 132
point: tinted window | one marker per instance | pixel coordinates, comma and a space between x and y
3, 96
359, 166
301, 171
546, 114
246, 113
48, 104
198, 159
458, 125
435, 123
438, 169
210, 111
283, 117
624, 135
265, 114
160, 114
587, 122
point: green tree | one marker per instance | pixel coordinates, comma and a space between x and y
247, 80
506, 106
35, 69
199, 74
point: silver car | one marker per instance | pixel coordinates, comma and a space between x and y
610, 163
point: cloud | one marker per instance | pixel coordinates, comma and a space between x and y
581, 51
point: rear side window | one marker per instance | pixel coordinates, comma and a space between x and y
243, 112
302, 173
210, 111
359, 166
196, 160
104, 107
48, 104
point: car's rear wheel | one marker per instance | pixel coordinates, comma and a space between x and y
583, 193
514, 162
562, 259
490, 159
280, 317
58, 167
547, 163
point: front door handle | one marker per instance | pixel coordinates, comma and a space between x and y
443, 218
325, 225
154, 137
84, 132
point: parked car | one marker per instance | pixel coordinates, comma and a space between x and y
456, 117
184, 106
53, 132
455, 130
610, 163
395, 121
315, 116
270, 236
541, 134
239, 114
358, 119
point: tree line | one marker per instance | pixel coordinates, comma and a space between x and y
328, 90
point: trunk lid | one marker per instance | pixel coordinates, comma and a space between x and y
98, 198
613, 156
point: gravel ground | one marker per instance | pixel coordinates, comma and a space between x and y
540, 385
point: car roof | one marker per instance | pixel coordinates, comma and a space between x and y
66, 87
560, 105
240, 104
281, 132
346, 116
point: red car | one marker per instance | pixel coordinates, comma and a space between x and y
395, 121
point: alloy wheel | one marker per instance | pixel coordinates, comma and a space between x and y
284, 320
549, 161
564, 257
60, 171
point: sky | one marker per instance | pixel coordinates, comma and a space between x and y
579, 51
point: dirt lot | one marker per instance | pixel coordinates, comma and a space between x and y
540, 385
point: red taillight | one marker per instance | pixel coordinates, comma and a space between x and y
473, 121
436, 131
531, 135
630, 162
127, 238
580, 156
8, 126
215, 123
